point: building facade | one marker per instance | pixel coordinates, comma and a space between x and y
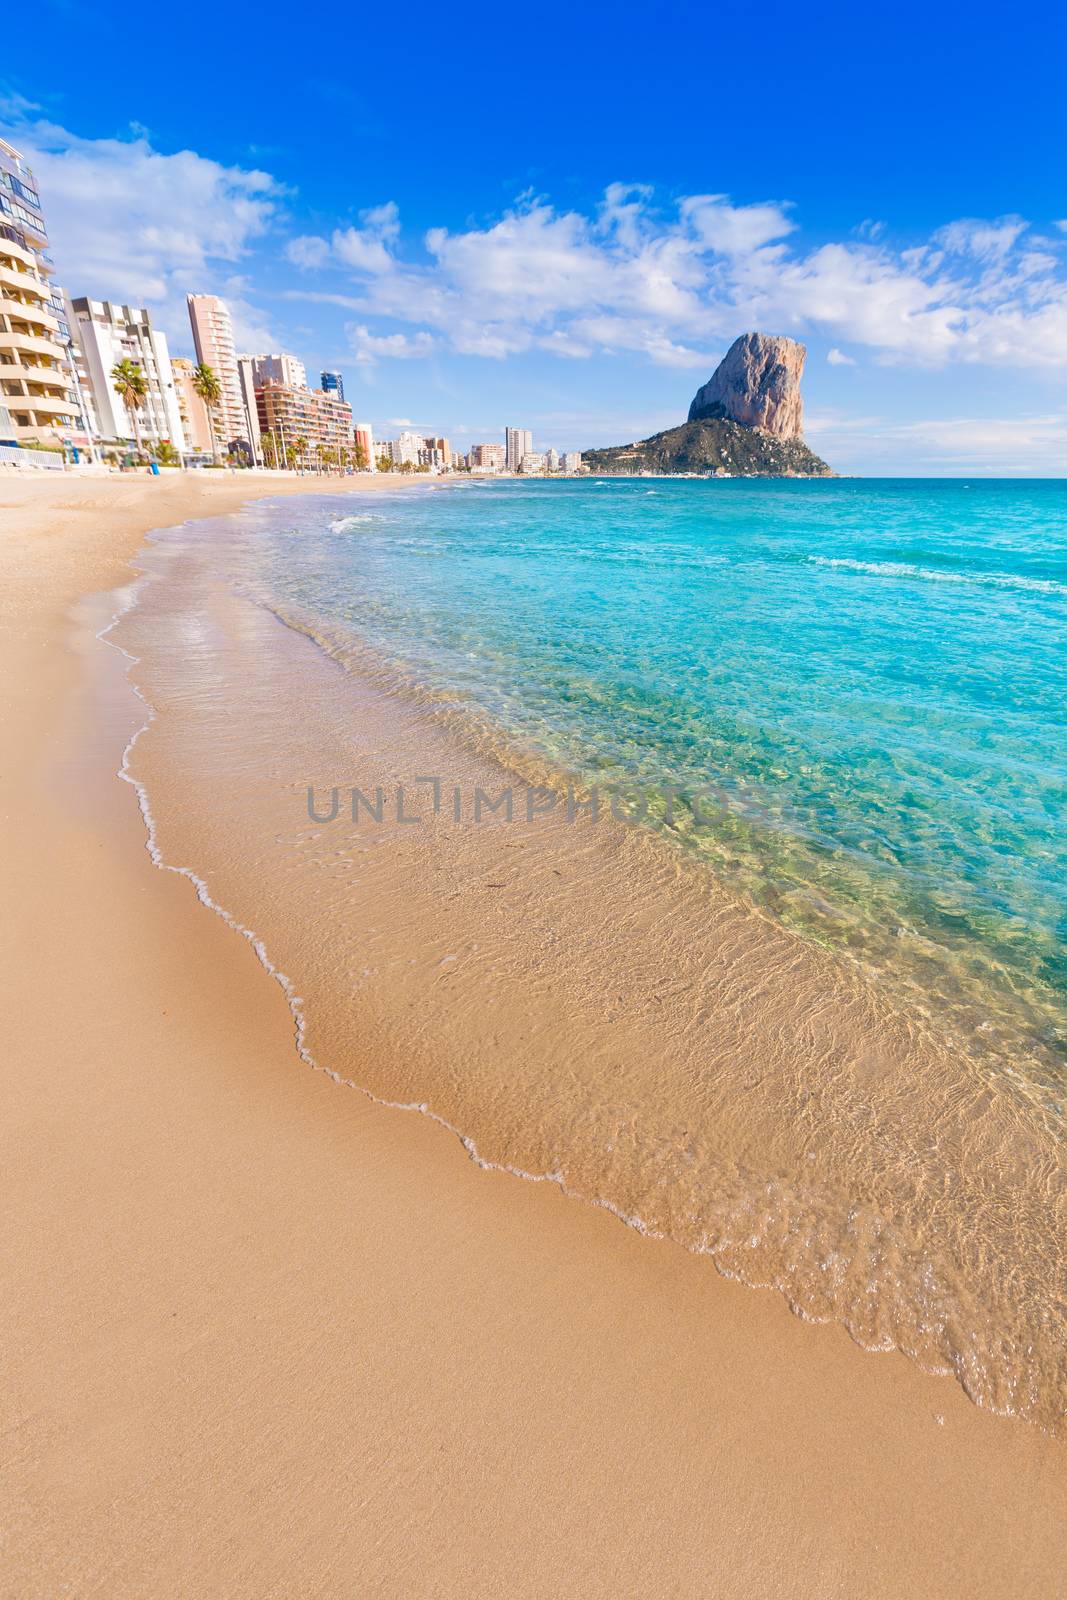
436, 453
280, 368
332, 383
106, 334
37, 383
532, 461
364, 438
488, 458
247, 377
196, 429
209, 318
572, 461
518, 442
306, 422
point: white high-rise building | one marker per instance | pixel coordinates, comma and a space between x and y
532, 461
406, 447
107, 334
279, 369
38, 400
551, 460
213, 338
518, 442
246, 372
572, 461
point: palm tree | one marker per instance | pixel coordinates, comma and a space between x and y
167, 455
129, 384
208, 387
301, 447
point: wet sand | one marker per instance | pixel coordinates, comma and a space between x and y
263, 1337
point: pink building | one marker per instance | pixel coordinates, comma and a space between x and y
365, 440
213, 338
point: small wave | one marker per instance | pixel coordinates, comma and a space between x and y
342, 524
907, 569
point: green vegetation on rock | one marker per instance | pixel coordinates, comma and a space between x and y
712, 447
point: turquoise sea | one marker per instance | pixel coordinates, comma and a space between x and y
858, 689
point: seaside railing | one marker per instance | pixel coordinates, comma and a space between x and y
12, 455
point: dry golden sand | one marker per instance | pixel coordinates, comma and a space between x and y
264, 1338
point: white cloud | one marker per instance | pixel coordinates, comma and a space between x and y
675, 285
730, 230
130, 223
307, 250
988, 241
368, 348
838, 358
1028, 446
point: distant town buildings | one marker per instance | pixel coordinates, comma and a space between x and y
38, 401
518, 442
213, 338
105, 335
417, 451
57, 360
488, 458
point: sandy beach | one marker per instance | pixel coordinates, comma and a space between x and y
263, 1337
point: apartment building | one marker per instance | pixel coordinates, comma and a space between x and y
572, 461
106, 334
436, 453
280, 368
518, 442
532, 461
488, 458
303, 420
37, 395
246, 375
405, 449
196, 429
209, 318
364, 437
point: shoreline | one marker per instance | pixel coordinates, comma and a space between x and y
755, 1098
267, 1338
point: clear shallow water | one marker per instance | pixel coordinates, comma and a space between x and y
865, 681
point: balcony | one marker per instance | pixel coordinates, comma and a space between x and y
36, 314
13, 245
46, 408
21, 278
32, 369
30, 344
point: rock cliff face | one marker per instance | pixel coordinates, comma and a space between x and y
757, 383
745, 422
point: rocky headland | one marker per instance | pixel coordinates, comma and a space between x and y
747, 420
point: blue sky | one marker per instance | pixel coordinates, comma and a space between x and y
561, 218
